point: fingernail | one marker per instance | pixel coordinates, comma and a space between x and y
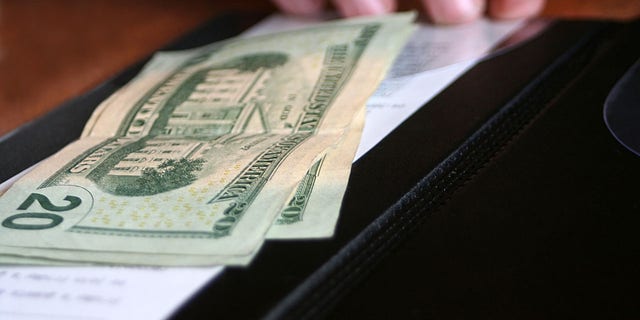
300, 7
454, 11
352, 8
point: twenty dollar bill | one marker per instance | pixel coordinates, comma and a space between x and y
191, 162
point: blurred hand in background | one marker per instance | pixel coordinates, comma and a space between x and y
440, 11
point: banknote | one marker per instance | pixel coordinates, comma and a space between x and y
191, 162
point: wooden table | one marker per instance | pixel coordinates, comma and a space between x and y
51, 51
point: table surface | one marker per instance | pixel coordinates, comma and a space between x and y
51, 51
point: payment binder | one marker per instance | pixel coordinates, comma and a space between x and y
505, 196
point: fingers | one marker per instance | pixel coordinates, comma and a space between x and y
441, 11
348, 8
513, 9
352, 8
454, 11
300, 7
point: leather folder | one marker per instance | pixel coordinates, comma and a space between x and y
505, 196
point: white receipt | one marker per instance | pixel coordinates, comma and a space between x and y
434, 58
97, 293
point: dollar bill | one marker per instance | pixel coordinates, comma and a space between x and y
191, 162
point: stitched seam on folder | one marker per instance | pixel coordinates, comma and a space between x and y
418, 207
433, 190
404, 222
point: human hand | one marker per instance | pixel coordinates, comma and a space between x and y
440, 11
